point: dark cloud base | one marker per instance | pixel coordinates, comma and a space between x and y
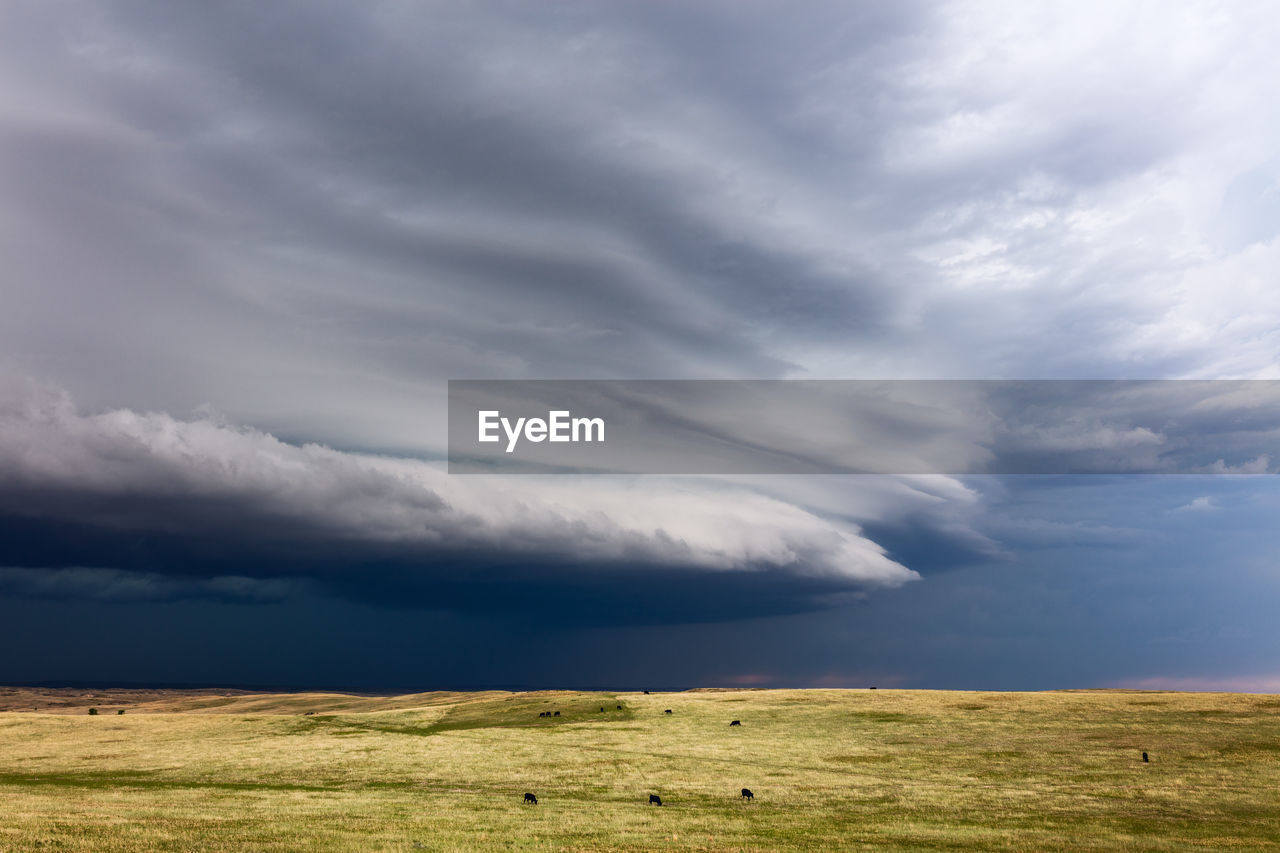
401, 578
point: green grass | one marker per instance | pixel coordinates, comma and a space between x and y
882, 770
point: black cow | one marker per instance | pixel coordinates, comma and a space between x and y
646, 693
668, 711
543, 714
619, 707
655, 800
747, 795
556, 714
530, 798
1145, 760
736, 723
601, 707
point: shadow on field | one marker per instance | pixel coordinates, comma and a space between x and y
514, 711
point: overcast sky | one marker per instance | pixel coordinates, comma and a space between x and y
243, 246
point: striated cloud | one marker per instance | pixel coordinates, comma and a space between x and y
311, 214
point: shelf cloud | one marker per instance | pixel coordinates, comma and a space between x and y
217, 500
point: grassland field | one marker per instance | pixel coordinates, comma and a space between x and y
830, 769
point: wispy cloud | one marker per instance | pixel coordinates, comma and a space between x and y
1200, 504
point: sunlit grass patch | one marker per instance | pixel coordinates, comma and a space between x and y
884, 770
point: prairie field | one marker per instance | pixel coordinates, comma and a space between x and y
830, 770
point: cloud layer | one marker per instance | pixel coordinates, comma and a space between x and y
308, 215
216, 500
313, 213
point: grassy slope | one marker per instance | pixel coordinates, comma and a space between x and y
830, 770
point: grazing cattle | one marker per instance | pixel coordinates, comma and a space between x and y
619, 707
655, 800
873, 688
646, 693
747, 795
530, 798
543, 714
736, 723
601, 707
668, 711
1144, 758
556, 714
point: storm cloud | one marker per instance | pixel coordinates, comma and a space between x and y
252, 241
200, 498
316, 210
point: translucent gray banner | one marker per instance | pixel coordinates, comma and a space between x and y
864, 426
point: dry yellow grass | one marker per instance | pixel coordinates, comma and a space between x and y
896, 770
